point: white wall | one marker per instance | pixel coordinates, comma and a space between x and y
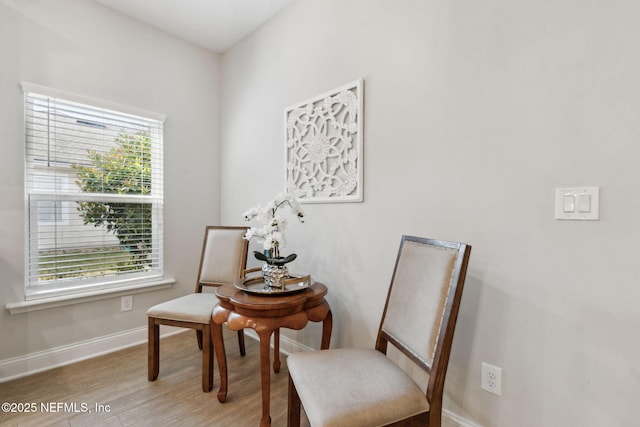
84, 48
474, 113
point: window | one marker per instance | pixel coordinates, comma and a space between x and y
93, 188
51, 212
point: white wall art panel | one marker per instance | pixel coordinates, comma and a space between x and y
324, 146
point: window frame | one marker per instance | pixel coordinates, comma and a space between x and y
67, 287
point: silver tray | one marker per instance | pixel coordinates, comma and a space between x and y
256, 285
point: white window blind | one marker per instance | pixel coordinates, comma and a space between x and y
94, 196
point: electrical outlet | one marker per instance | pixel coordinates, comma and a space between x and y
126, 303
491, 379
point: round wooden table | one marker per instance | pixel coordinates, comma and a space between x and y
266, 314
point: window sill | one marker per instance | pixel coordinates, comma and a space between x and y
60, 301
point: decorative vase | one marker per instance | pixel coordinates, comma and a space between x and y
274, 275
274, 270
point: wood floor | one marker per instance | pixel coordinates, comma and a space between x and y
118, 384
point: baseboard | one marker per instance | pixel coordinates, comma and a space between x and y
287, 345
32, 363
459, 420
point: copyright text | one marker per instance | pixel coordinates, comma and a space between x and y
52, 407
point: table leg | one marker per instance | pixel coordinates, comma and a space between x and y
265, 348
327, 325
218, 347
276, 350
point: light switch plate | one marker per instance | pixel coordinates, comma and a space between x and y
585, 205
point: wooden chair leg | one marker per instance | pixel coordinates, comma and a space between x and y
241, 342
199, 337
207, 359
153, 350
293, 411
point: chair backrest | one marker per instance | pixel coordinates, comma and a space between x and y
422, 305
224, 256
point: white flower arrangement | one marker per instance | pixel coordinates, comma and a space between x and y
271, 234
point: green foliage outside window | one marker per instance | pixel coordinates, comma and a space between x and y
124, 169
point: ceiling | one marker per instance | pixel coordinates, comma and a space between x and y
215, 25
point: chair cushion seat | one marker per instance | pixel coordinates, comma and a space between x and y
195, 308
354, 387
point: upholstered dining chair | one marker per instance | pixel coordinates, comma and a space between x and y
223, 260
364, 387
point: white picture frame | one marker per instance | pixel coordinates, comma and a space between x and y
324, 146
